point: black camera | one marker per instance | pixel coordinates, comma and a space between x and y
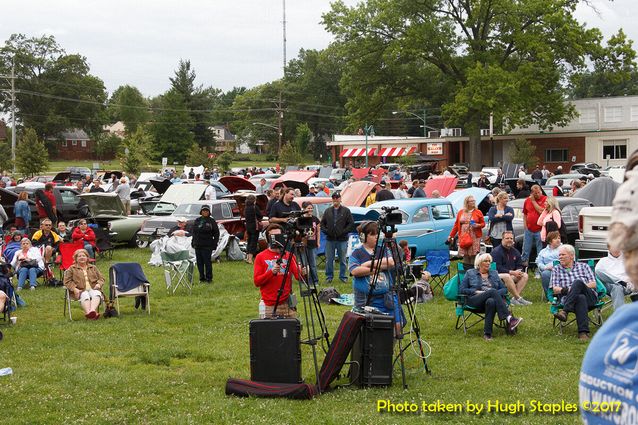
390, 217
297, 220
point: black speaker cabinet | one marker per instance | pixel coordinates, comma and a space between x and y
275, 350
372, 352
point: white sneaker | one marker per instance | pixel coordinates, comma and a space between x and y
32, 288
19, 288
514, 301
523, 301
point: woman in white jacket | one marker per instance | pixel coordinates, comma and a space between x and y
28, 263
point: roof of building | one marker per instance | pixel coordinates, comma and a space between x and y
75, 134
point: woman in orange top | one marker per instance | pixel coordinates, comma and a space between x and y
469, 221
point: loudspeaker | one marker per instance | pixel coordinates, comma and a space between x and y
275, 350
372, 352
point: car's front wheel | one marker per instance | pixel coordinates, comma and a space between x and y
137, 242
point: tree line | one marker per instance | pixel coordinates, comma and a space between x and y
449, 63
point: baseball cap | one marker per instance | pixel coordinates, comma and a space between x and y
183, 219
204, 207
336, 195
610, 369
383, 184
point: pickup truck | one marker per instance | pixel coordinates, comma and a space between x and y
593, 224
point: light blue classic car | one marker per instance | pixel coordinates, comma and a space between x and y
426, 222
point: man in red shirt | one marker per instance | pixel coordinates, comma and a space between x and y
270, 267
532, 209
45, 202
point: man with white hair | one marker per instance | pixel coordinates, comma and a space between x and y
123, 190
575, 285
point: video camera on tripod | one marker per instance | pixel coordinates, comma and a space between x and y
388, 220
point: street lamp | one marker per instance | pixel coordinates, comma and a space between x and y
422, 118
368, 131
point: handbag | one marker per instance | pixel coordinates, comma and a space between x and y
465, 240
29, 264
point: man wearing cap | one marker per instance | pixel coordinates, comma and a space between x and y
205, 239
180, 229
336, 223
312, 191
321, 191
383, 194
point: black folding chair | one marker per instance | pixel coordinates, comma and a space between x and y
103, 244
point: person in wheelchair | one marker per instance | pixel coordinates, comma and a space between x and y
574, 284
84, 282
486, 292
27, 263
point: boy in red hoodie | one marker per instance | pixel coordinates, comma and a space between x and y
269, 270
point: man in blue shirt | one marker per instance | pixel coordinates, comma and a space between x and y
510, 268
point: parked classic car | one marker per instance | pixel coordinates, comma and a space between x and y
224, 211
426, 222
66, 198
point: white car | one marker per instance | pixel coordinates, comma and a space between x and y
476, 175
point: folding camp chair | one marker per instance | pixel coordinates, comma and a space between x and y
128, 280
465, 313
67, 304
10, 303
66, 250
595, 314
438, 264
178, 270
103, 245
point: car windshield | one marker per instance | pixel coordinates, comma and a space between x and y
218, 211
157, 208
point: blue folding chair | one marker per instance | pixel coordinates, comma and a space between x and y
438, 264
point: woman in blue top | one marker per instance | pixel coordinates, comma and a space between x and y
360, 266
486, 293
547, 256
22, 213
500, 216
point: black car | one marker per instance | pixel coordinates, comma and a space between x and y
66, 199
570, 207
8, 199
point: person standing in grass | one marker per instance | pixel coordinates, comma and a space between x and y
205, 238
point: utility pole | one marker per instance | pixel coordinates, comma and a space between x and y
280, 110
12, 91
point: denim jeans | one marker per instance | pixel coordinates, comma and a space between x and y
89, 249
342, 248
31, 272
545, 278
580, 299
530, 239
492, 304
312, 265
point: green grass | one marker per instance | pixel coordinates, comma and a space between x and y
171, 367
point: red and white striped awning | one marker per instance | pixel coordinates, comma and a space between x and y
349, 153
396, 151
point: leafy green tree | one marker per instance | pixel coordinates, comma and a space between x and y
56, 90
127, 104
224, 160
198, 155
107, 145
6, 163
524, 152
614, 71
198, 100
303, 137
136, 151
290, 155
31, 154
506, 57
172, 126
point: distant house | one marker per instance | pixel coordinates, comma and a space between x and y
119, 129
224, 139
75, 144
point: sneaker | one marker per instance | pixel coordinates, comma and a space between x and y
583, 336
561, 315
513, 323
19, 288
32, 288
537, 275
487, 337
523, 301
328, 282
514, 301
344, 280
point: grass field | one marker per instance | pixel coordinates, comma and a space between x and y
171, 367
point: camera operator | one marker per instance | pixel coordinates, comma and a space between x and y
281, 210
313, 241
362, 261
270, 266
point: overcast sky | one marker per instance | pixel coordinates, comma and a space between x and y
229, 42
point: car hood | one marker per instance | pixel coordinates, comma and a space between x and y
355, 194
303, 187
457, 198
444, 184
234, 183
160, 184
180, 193
104, 204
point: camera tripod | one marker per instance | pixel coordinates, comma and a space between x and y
313, 314
389, 245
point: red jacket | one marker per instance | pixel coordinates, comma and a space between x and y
477, 216
88, 236
270, 283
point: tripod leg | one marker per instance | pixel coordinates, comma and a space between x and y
401, 360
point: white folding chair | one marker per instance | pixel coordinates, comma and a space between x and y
178, 270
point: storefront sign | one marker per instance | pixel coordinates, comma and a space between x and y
434, 148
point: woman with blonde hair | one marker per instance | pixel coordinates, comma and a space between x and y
84, 282
486, 294
500, 216
22, 212
469, 226
550, 217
